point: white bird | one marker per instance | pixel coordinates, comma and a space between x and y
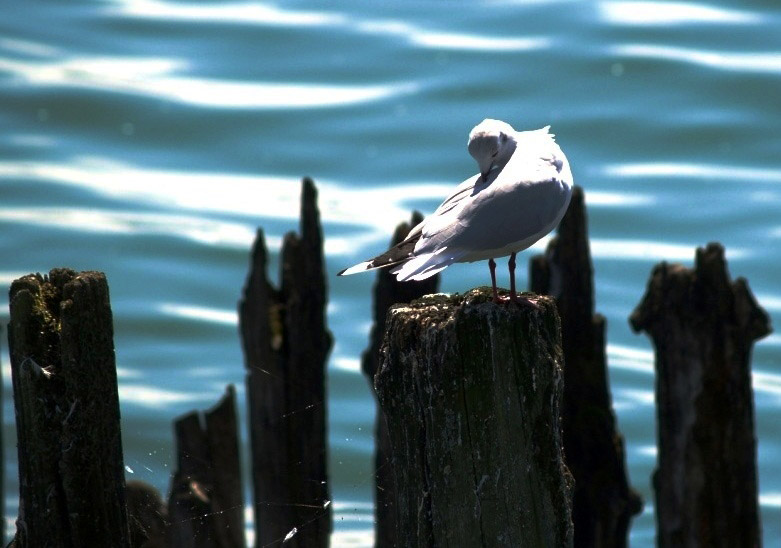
520, 195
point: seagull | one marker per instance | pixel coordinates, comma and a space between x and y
520, 195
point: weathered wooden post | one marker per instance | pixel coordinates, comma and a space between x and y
71, 472
703, 328
147, 516
471, 393
603, 502
2, 460
286, 343
387, 292
206, 506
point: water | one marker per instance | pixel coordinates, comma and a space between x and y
148, 139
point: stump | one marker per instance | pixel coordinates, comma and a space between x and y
206, 506
471, 393
147, 516
603, 502
703, 328
286, 344
387, 292
71, 472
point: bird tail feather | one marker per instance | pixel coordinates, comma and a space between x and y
424, 266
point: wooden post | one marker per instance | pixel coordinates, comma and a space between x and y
147, 516
71, 472
286, 344
387, 292
471, 393
2, 447
603, 502
703, 327
206, 506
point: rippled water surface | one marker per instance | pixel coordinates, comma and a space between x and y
148, 139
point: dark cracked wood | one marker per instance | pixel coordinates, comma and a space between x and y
603, 502
71, 472
471, 393
286, 344
206, 505
703, 328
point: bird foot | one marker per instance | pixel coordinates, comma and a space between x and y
517, 299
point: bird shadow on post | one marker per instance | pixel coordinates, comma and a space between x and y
286, 344
603, 502
387, 292
703, 328
471, 391
206, 506
71, 471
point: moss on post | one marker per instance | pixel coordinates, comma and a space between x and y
471, 393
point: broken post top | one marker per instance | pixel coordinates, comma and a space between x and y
48, 303
701, 296
440, 307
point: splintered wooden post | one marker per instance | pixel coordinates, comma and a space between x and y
387, 292
206, 506
703, 327
603, 502
471, 392
71, 472
286, 344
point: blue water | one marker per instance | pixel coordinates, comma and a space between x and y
148, 139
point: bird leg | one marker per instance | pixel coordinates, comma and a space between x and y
511, 266
492, 268
514, 297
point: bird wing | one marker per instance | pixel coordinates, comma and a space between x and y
515, 204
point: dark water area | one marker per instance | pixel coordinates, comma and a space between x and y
149, 139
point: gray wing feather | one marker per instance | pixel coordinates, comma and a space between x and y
513, 205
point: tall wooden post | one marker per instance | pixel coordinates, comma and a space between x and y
286, 344
71, 472
603, 502
471, 392
387, 292
703, 327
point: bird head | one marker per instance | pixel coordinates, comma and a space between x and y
491, 144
